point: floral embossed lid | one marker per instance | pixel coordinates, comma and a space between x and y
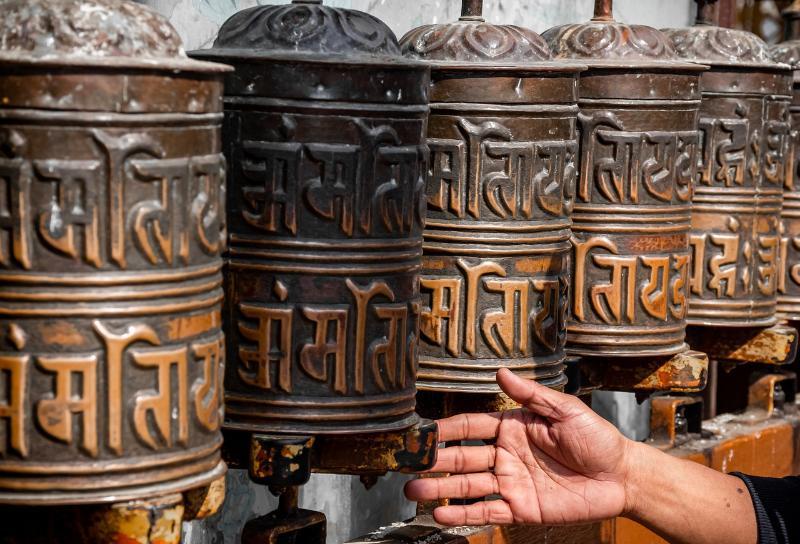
309, 30
604, 42
471, 40
713, 45
107, 33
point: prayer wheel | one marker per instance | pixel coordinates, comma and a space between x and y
632, 210
324, 131
495, 267
788, 52
111, 227
744, 129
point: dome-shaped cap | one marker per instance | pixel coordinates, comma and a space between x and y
90, 32
473, 40
604, 41
787, 53
717, 46
306, 28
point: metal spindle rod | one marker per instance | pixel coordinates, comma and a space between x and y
471, 8
791, 16
706, 12
603, 10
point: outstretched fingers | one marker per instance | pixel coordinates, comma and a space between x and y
481, 513
469, 427
537, 398
465, 459
463, 486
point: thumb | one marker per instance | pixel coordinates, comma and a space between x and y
537, 398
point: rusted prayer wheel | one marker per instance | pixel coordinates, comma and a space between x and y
324, 132
788, 52
632, 211
744, 128
111, 227
495, 268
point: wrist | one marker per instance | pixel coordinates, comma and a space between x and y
634, 473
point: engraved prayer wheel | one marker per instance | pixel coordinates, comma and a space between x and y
744, 128
632, 211
788, 52
111, 227
324, 132
495, 267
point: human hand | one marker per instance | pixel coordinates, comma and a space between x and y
554, 461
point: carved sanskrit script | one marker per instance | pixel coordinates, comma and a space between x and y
485, 172
343, 190
616, 294
485, 307
790, 271
267, 359
88, 397
624, 167
722, 262
87, 217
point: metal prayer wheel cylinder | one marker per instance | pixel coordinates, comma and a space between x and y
788, 53
632, 210
495, 267
324, 132
744, 129
111, 227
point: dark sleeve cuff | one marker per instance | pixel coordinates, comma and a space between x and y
776, 502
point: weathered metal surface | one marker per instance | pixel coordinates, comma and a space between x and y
788, 52
744, 126
153, 521
776, 345
631, 217
685, 372
768, 396
412, 451
202, 502
324, 130
499, 188
111, 228
287, 524
280, 460
673, 419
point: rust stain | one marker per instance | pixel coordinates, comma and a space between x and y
435, 264
186, 327
291, 451
62, 333
533, 266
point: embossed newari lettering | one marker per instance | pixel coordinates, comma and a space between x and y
463, 177
74, 204
54, 414
314, 356
445, 305
206, 390
624, 165
15, 205
659, 293
159, 403
510, 311
274, 322
14, 372
724, 145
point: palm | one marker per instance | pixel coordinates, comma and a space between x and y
560, 472
553, 462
